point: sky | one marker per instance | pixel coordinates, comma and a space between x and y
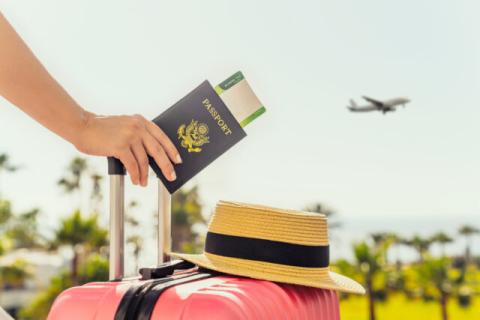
415, 170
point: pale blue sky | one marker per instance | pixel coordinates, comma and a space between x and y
304, 60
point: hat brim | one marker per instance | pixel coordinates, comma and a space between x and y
321, 278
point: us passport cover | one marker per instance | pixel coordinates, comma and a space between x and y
202, 128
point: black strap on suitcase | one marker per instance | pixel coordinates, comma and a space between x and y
140, 299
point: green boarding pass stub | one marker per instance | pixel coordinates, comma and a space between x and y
240, 99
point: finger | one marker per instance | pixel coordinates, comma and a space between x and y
157, 152
130, 163
165, 141
142, 161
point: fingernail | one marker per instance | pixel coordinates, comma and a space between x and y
178, 159
173, 176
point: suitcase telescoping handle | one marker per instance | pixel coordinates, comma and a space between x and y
116, 171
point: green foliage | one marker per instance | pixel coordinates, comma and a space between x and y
433, 275
186, 208
71, 181
97, 186
18, 230
75, 230
40, 306
441, 237
83, 234
23, 230
428, 279
15, 274
368, 257
95, 269
80, 233
420, 244
468, 230
398, 307
5, 164
186, 213
5, 212
346, 268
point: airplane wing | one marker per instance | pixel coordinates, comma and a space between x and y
374, 101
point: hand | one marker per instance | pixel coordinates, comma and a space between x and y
129, 139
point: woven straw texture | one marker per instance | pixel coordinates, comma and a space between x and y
261, 222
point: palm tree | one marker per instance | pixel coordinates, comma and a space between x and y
421, 245
442, 239
396, 242
433, 273
369, 262
77, 232
468, 232
6, 166
383, 241
70, 183
5, 212
23, 230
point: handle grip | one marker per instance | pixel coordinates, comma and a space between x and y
116, 171
115, 167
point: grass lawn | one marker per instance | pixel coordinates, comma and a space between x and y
399, 308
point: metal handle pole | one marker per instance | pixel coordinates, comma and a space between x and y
117, 191
164, 223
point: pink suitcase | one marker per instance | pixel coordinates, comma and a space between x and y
188, 293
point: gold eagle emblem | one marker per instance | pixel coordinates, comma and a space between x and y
193, 136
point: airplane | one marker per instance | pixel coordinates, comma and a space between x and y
377, 105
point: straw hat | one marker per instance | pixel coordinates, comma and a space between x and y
270, 244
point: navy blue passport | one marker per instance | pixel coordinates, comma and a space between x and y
202, 128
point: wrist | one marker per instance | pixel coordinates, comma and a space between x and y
86, 119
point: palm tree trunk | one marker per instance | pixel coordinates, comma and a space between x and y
443, 305
75, 266
422, 255
467, 251
136, 257
371, 298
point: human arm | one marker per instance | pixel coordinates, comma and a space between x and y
26, 83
